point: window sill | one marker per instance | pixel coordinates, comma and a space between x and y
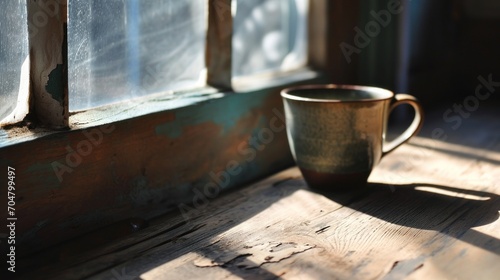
156, 103
420, 208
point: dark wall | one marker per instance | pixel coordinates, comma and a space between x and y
452, 43
435, 50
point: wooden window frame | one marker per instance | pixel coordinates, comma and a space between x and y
144, 163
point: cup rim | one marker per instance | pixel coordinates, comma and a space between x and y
288, 93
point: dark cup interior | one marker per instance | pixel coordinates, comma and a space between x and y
329, 93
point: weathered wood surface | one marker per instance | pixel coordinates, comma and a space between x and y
48, 58
219, 43
431, 212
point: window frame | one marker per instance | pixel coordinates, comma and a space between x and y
49, 111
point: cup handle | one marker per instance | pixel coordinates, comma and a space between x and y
414, 127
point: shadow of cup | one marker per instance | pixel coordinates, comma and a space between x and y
448, 210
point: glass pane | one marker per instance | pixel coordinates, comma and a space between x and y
269, 35
120, 49
13, 52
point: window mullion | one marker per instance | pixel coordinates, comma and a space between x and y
318, 23
219, 43
47, 21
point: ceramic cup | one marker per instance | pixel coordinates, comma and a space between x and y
337, 132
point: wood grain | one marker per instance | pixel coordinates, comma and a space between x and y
431, 211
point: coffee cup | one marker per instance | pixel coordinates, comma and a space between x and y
337, 133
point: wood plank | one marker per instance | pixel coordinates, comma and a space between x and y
421, 218
431, 211
403, 226
379, 234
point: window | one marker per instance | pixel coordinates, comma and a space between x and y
121, 49
269, 35
13, 55
154, 112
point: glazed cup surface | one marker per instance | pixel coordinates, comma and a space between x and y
336, 133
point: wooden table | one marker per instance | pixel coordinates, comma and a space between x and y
431, 212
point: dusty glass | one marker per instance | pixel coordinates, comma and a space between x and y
121, 49
13, 53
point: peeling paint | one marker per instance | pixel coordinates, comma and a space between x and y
47, 70
55, 85
112, 182
252, 256
224, 112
